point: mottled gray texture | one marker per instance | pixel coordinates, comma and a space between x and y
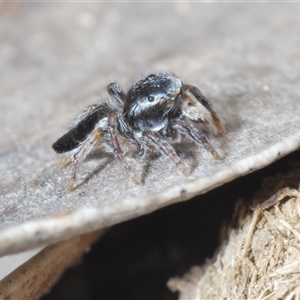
55, 58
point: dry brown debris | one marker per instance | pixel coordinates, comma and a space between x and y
259, 260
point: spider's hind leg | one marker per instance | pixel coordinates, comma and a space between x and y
82, 151
64, 161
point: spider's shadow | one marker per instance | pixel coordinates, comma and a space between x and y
185, 150
105, 158
146, 169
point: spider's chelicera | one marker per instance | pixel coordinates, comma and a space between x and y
155, 111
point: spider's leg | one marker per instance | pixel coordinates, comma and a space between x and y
118, 153
190, 132
82, 151
206, 103
115, 91
127, 132
63, 161
164, 147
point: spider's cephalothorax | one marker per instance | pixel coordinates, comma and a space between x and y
150, 101
155, 110
161, 106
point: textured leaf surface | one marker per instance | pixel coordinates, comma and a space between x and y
57, 58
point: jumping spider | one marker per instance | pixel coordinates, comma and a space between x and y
156, 111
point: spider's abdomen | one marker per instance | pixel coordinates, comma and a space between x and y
77, 134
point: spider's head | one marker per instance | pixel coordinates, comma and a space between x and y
156, 92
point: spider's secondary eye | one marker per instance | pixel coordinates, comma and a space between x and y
151, 98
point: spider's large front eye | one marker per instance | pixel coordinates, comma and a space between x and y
151, 98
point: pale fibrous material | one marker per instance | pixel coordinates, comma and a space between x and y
59, 61
259, 260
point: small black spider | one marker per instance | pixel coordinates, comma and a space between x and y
156, 110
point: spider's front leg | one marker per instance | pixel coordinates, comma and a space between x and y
190, 132
206, 103
118, 153
154, 138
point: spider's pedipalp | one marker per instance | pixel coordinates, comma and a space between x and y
126, 131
